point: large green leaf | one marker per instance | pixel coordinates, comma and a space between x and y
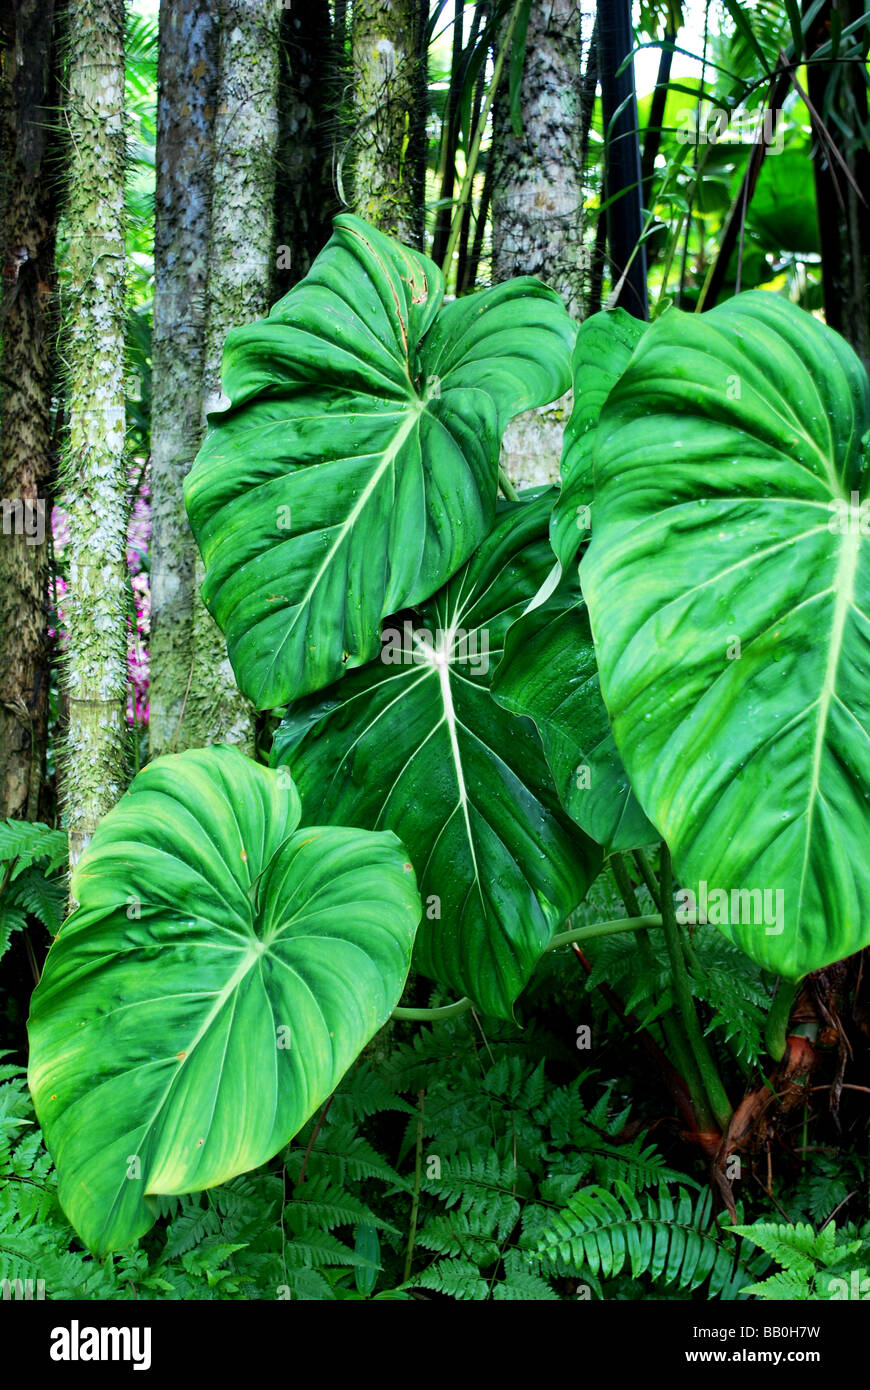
220, 974
602, 352
549, 673
417, 744
728, 466
782, 213
356, 468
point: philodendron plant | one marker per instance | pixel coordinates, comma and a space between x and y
728, 585
469, 726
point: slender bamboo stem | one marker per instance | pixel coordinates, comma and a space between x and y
474, 151
735, 221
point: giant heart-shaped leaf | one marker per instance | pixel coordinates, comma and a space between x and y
415, 742
728, 584
356, 469
549, 673
602, 352
220, 974
782, 214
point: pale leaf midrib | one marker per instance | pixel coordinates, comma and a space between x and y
415, 410
844, 587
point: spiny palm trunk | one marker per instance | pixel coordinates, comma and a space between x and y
94, 765
28, 221
389, 116
240, 278
843, 203
308, 98
622, 157
537, 197
187, 83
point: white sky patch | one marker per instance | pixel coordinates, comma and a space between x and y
646, 62
690, 37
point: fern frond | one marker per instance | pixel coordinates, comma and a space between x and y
462, 1235
592, 1138
44, 898
636, 1164
730, 984
784, 1284
517, 1081
522, 1283
485, 1184
248, 1197
307, 1285
816, 1263
318, 1202
827, 1186
30, 841
646, 993
370, 1093
342, 1153
12, 918
321, 1248
40, 1253
673, 1242
798, 1247
189, 1229
456, 1278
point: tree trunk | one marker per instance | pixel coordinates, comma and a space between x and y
653, 139
622, 157
450, 129
305, 198
28, 96
94, 764
240, 264
537, 196
537, 204
388, 115
187, 83
843, 206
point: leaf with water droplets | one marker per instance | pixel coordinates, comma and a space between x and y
756, 772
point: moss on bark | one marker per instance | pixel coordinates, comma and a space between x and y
28, 146
240, 281
187, 94
94, 494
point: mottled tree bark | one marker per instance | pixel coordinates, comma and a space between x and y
308, 96
537, 204
187, 82
95, 676
28, 141
538, 192
388, 110
240, 265
843, 205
